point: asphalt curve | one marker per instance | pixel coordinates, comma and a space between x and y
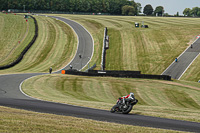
85, 45
177, 69
11, 96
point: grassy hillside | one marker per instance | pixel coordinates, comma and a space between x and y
15, 120
55, 47
13, 29
169, 99
149, 50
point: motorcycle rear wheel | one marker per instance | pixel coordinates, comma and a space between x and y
126, 111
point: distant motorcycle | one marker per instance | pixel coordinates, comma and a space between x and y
123, 105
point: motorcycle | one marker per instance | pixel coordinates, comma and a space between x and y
123, 105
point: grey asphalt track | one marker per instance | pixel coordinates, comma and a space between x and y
11, 96
177, 69
85, 45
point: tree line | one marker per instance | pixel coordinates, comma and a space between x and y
118, 7
159, 11
148, 10
195, 12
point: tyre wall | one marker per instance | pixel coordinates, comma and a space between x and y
15, 62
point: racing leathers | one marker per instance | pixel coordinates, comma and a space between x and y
122, 99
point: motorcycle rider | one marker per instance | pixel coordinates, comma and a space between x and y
124, 104
122, 99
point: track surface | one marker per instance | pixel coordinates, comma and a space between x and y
85, 45
177, 69
11, 96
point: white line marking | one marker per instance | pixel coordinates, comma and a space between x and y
189, 66
179, 56
20, 88
77, 45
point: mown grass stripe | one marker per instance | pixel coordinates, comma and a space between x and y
114, 53
182, 99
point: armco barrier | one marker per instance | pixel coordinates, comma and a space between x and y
103, 58
115, 72
122, 74
25, 49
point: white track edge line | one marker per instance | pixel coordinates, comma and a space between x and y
20, 88
188, 66
76, 48
179, 56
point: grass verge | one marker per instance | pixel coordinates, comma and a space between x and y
15, 120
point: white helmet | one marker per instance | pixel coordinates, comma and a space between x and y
132, 95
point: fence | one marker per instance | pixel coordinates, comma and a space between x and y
122, 74
115, 72
103, 57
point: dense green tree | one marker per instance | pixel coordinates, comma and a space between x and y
128, 10
139, 8
195, 11
2, 4
159, 10
187, 12
148, 10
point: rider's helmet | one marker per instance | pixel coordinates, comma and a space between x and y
132, 95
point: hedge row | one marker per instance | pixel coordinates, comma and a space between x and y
25, 49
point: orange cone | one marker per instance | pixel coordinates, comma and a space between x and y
63, 71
